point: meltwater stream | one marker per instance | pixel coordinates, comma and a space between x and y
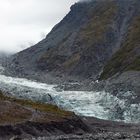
97, 104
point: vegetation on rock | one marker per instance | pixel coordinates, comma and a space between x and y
128, 57
14, 110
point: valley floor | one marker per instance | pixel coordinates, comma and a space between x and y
101, 130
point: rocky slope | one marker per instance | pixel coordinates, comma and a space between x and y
124, 65
97, 40
127, 58
27, 119
83, 42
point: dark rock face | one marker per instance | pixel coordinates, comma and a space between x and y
71, 129
36, 129
128, 56
83, 42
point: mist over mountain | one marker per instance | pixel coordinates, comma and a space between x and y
22, 26
98, 40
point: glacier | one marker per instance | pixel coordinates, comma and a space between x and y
101, 104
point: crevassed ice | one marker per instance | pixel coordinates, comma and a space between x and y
97, 104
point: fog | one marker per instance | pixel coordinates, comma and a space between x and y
25, 22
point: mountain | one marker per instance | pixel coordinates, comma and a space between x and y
127, 58
95, 47
96, 40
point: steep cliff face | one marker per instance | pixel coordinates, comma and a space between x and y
127, 58
94, 34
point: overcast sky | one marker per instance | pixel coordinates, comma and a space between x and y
25, 22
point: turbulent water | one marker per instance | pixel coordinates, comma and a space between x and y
97, 104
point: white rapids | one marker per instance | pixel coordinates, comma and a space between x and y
96, 104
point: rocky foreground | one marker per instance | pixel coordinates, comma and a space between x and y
25, 119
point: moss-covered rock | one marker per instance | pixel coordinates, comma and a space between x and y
14, 111
128, 57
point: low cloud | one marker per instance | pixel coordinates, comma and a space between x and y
25, 22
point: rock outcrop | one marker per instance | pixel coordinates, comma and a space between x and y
27, 119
